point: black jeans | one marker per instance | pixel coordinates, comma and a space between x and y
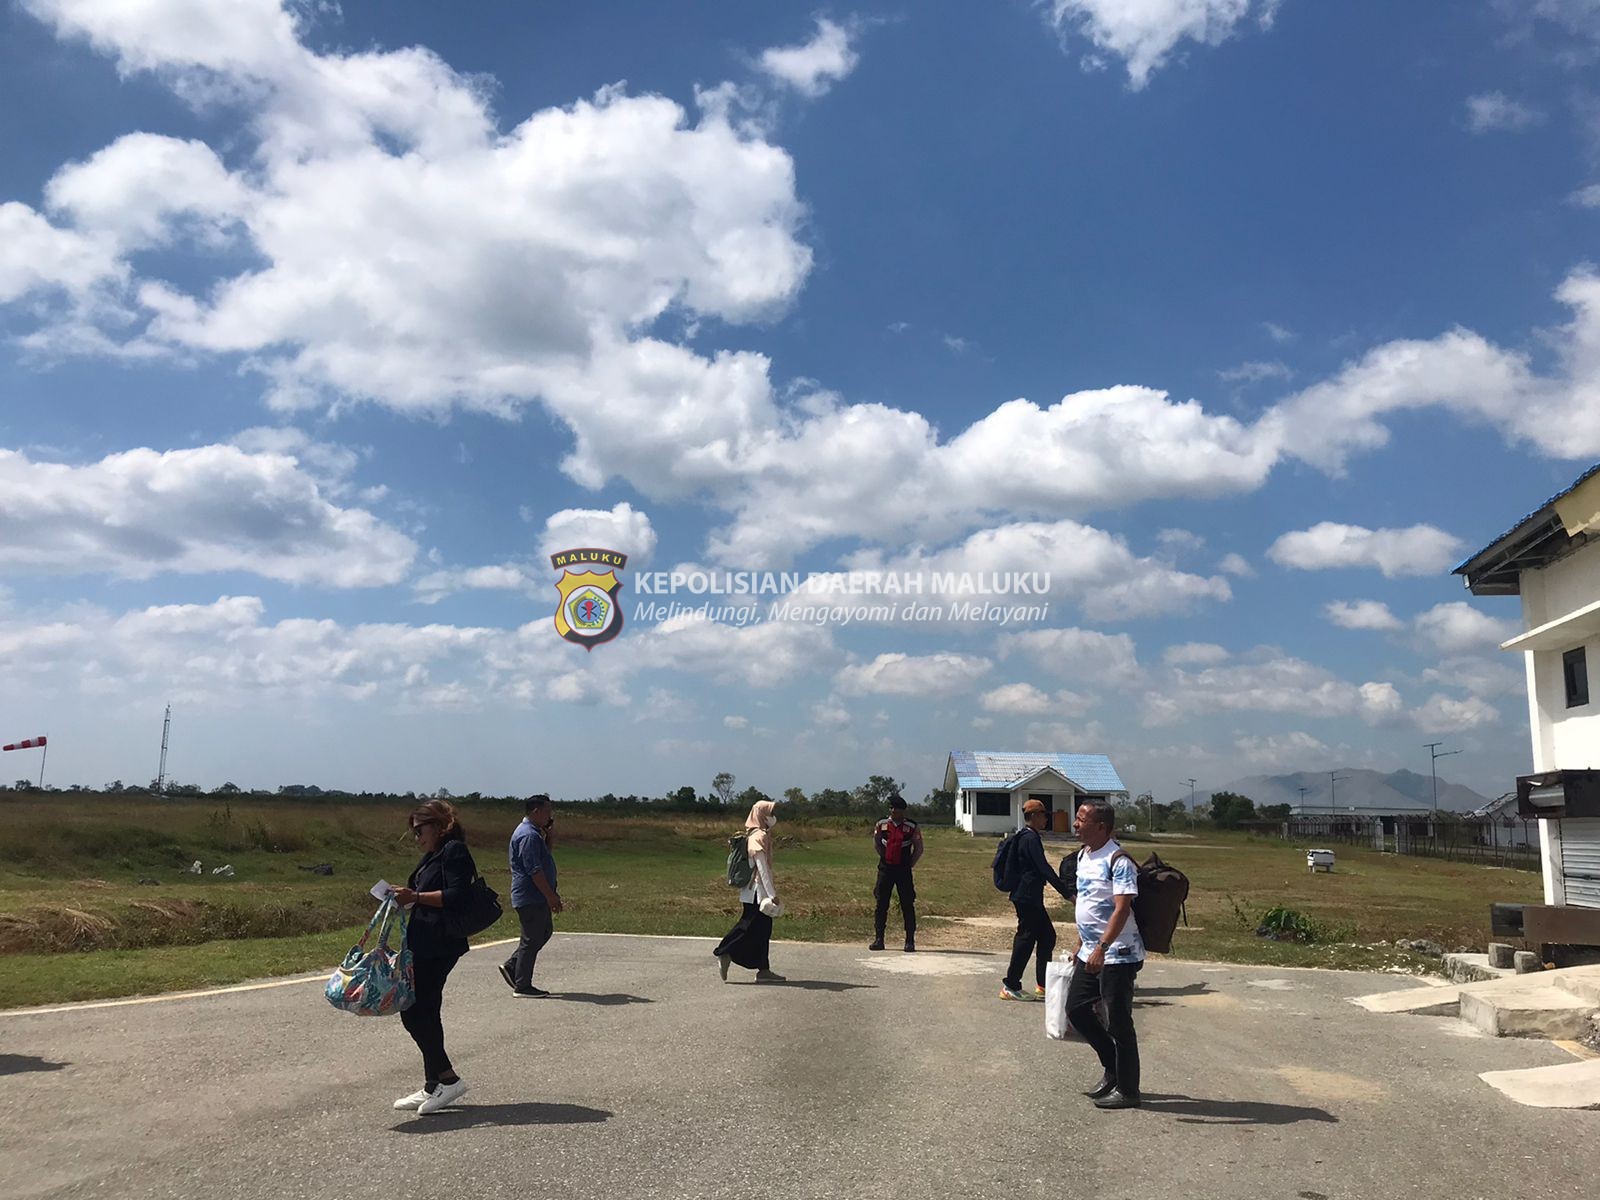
895, 879
423, 1020
537, 926
1035, 935
1115, 1042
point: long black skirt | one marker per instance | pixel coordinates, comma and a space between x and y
748, 942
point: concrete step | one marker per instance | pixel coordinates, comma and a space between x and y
1525, 1006
1473, 968
1582, 982
1418, 1002
1567, 1085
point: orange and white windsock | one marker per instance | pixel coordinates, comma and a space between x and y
26, 744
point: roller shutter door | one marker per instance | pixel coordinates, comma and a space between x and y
1580, 861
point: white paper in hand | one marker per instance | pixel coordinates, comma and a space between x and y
382, 890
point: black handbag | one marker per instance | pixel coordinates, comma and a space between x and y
480, 910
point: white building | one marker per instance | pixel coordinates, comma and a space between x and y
1551, 558
991, 786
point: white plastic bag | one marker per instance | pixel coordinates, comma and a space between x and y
1057, 979
771, 906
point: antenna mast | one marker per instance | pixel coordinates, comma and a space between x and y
161, 772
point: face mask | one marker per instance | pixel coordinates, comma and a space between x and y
772, 820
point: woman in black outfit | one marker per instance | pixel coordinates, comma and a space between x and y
438, 885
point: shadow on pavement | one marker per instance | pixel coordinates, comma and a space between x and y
604, 998
482, 1116
1193, 1111
1187, 989
806, 985
18, 1064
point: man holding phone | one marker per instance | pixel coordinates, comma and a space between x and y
533, 893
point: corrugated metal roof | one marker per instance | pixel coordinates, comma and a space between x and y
1533, 523
1001, 769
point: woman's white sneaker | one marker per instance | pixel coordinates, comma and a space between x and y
413, 1101
445, 1095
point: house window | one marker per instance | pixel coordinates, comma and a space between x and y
1576, 673
994, 804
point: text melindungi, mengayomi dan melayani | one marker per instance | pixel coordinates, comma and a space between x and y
907, 595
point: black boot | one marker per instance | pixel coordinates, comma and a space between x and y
877, 942
911, 942
1107, 1085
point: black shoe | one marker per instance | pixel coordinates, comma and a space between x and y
1107, 1085
530, 991
511, 980
877, 944
1115, 1099
911, 945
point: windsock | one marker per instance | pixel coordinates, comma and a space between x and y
26, 744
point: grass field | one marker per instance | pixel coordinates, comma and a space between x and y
76, 923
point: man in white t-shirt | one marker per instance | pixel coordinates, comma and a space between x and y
1110, 953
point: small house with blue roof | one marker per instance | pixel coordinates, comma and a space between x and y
991, 786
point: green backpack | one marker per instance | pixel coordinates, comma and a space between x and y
740, 869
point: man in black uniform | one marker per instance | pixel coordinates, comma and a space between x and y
899, 845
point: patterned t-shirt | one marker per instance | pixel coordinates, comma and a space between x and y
1102, 874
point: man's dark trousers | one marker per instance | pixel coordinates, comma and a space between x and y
1035, 934
1115, 1041
536, 930
896, 878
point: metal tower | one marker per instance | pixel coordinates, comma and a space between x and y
161, 772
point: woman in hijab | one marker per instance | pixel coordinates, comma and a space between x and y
747, 942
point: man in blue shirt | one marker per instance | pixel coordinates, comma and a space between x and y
1110, 953
533, 893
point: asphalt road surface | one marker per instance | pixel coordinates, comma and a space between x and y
865, 1075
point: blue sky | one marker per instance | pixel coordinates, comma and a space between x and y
322, 327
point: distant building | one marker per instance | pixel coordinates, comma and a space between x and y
1504, 826
991, 786
1551, 559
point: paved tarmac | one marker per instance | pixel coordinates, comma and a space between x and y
865, 1075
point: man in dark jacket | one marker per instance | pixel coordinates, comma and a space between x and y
1036, 935
899, 846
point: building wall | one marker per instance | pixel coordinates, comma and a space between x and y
1564, 739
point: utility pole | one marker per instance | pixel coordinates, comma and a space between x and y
1434, 755
1303, 792
1334, 778
1190, 782
161, 772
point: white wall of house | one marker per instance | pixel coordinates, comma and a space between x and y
968, 817
1564, 739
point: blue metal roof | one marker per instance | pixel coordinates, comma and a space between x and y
1000, 770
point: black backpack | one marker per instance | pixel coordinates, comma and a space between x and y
1163, 893
1007, 863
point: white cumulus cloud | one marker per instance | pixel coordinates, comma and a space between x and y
1458, 628
1416, 550
815, 66
1145, 33
929, 676
1362, 614
211, 508
1495, 112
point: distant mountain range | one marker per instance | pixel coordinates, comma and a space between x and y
1362, 791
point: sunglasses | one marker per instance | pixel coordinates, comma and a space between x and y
416, 830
